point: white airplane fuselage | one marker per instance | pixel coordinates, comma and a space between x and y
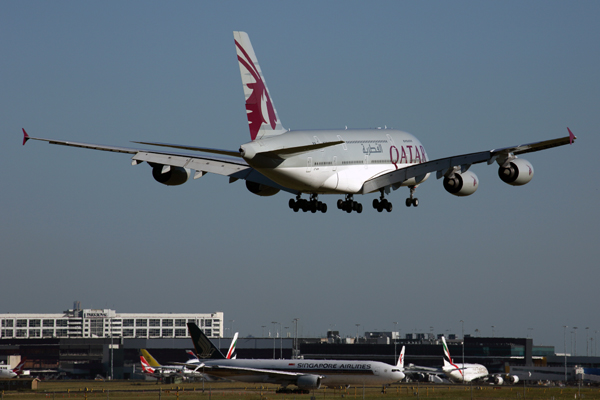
334, 372
340, 168
471, 372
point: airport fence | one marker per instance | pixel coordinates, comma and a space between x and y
128, 391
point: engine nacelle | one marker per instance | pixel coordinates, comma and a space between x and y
498, 380
518, 172
512, 378
309, 382
260, 189
461, 184
173, 177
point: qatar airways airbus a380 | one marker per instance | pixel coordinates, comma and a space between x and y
317, 162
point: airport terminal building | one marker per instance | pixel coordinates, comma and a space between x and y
106, 323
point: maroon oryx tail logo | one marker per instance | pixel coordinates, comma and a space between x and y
254, 103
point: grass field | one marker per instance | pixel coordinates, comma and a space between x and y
132, 390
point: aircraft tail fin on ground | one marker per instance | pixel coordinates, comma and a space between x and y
19, 368
401, 358
149, 359
447, 358
231, 353
146, 368
205, 349
262, 116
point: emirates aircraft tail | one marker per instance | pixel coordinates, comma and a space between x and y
231, 353
262, 116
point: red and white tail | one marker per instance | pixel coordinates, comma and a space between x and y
401, 359
262, 116
19, 368
145, 366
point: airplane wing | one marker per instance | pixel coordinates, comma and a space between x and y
223, 163
273, 375
443, 166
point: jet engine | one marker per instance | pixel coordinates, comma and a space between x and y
309, 382
461, 183
498, 380
516, 172
172, 177
512, 378
260, 189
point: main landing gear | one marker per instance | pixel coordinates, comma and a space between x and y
412, 201
382, 204
349, 204
313, 205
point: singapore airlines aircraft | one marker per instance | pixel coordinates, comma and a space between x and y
345, 162
303, 373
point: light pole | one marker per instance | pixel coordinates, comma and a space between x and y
463, 348
357, 325
565, 339
586, 341
393, 334
575, 347
263, 330
280, 342
295, 337
274, 322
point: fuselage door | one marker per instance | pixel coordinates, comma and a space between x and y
308, 164
335, 163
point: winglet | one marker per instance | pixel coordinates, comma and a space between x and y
571, 136
25, 136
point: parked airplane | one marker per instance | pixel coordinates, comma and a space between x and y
318, 162
6, 373
305, 374
461, 373
154, 368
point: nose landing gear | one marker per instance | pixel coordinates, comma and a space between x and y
412, 201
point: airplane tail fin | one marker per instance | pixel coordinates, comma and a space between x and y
19, 368
191, 354
447, 358
231, 353
262, 116
146, 368
149, 359
401, 359
205, 349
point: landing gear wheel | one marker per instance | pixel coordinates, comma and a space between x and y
323, 208
340, 204
415, 202
408, 202
359, 208
376, 203
388, 207
292, 203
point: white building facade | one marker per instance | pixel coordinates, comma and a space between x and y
106, 323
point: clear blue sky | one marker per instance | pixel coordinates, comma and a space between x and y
463, 76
